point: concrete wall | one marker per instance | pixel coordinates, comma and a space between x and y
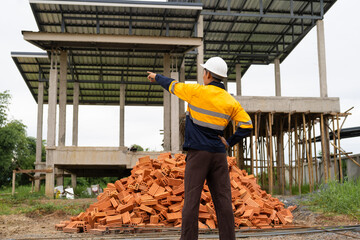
353, 170
289, 104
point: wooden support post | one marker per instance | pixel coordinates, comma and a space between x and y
310, 163
303, 152
347, 155
296, 153
324, 160
305, 141
264, 163
262, 157
271, 155
290, 154
338, 137
281, 154
252, 151
316, 162
299, 166
336, 171
256, 148
241, 154
13, 183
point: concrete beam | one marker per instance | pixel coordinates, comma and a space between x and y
78, 157
175, 131
200, 49
127, 4
277, 77
122, 115
289, 104
75, 132
47, 41
238, 79
39, 131
321, 58
167, 107
62, 98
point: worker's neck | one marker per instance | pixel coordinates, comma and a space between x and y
210, 81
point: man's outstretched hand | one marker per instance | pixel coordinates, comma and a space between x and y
151, 76
223, 141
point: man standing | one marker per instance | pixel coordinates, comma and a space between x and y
210, 108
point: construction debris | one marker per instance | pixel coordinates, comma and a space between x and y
153, 196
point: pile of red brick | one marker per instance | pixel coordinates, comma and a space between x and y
154, 194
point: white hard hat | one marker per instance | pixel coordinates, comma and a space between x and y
216, 65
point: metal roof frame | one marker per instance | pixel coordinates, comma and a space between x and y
249, 32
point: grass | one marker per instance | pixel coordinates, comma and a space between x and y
335, 197
34, 204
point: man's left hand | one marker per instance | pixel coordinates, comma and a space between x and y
224, 141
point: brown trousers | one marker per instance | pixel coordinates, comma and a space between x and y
213, 167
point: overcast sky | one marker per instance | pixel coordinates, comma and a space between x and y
99, 125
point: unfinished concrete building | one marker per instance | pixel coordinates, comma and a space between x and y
98, 52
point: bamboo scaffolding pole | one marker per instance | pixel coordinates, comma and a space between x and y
316, 164
323, 147
282, 160
297, 160
338, 137
310, 164
306, 148
263, 160
290, 154
256, 148
271, 155
276, 161
252, 151
347, 155
336, 171
303, 152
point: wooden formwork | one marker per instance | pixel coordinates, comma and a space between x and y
283, 143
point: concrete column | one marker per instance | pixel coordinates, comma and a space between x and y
238, 79
175, 132
182, 79
39, 132
62, 98
73, 180
75, 132
277, 78
122, 115
200, 49
51, 131
321, 58
167, 107
59, 177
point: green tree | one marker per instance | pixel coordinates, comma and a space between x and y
137, 147
16, 148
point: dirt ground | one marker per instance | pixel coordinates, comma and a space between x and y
41, 226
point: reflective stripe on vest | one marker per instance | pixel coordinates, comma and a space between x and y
172, 90
210, 113
244, 123
205, 124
